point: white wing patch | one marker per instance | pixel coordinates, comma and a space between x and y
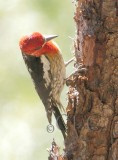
46, 68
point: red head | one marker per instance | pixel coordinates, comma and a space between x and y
36, 44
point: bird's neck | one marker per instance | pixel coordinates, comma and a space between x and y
49, 49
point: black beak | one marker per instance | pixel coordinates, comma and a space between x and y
50, 37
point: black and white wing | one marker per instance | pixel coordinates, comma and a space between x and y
41, 79
39, 69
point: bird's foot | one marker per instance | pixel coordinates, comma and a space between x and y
71, 60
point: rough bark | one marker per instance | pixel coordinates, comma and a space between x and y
93, 105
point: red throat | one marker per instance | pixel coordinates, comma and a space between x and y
49, 48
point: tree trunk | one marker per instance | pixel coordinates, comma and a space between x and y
93, 105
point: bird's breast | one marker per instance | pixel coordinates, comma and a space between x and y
58, 73
54, 73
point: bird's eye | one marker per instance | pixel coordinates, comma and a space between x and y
38, 48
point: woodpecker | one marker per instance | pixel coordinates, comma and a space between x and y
46, 66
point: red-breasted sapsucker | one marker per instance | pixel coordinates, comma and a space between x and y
47, 69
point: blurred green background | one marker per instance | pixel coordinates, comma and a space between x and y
23, 122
